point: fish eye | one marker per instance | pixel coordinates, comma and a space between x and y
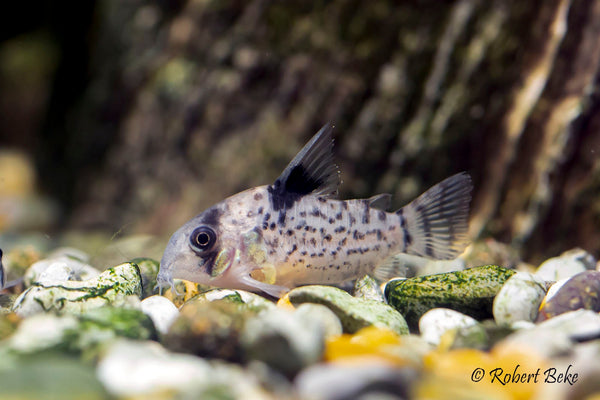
202, 238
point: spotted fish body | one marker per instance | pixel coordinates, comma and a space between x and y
294, 232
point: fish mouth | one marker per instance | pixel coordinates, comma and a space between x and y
164, 281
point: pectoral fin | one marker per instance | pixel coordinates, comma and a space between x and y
271, 290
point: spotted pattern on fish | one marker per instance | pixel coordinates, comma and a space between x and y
294, 232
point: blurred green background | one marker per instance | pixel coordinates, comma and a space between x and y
132, 116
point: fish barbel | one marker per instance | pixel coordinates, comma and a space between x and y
275, 237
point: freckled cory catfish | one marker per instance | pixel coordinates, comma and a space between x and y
294, 232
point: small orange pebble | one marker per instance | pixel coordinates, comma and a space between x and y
284, 302
190, 289
368, 344
503, 373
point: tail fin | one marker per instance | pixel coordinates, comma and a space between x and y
436, 223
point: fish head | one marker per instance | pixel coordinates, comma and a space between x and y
210, 248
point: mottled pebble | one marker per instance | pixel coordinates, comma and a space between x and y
519, 299
251, 300
352, 312
329, 322
367, 288
209, 329
120, 286
56, 270
470, 292
581, 291
148, 270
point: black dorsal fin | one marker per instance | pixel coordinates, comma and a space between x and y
312, 171
380, 201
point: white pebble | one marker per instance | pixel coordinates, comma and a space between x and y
162, 312
60, 269
519, 299
566, 265
554, 288
134, 369
435, 322
41, 332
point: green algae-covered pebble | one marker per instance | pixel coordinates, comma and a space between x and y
120, 322
51, 376
119, 286
250, 300
148, 270
354, 313
470, 292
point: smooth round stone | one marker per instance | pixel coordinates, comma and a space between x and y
41, 332
434, 323
283, 340
554, 288
353, 313
140, 368
59, 269
162, 312
566, 265
144, 369
579, 292
120, 286
333, 381
519, 299
556, 336
329, 322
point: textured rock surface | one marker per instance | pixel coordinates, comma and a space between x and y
209, 329
148, 271
118, 286
471, 292
367, 288
353, 313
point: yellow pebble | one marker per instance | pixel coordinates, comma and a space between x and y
367, 345
503, 373
284, 302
